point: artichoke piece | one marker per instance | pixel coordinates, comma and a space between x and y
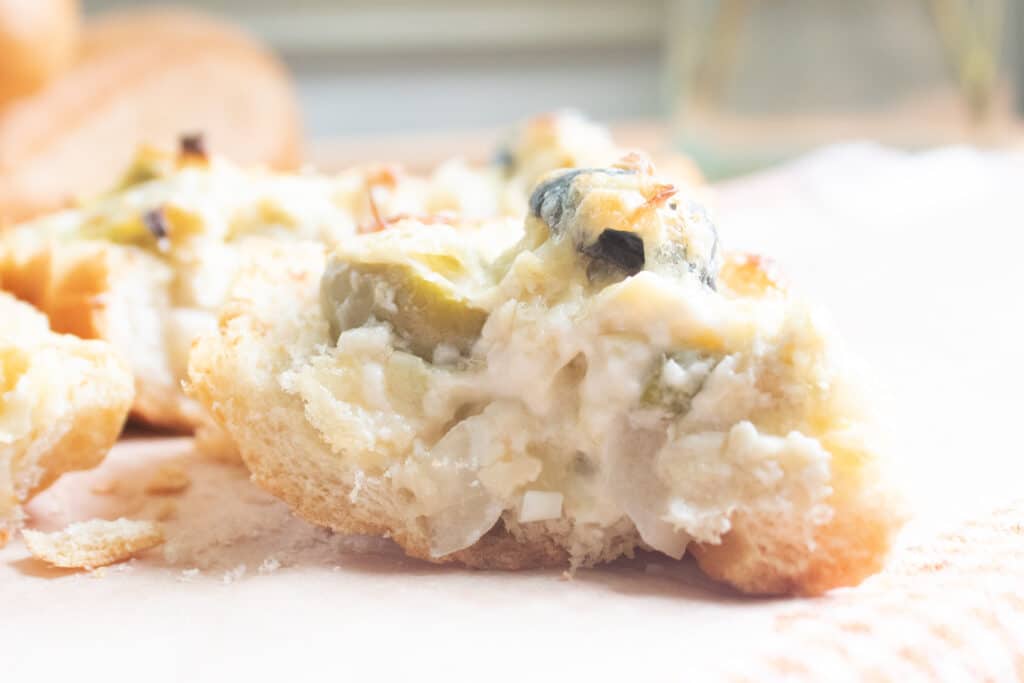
424, 308
137, 174
148, 164
678, 378
134, 229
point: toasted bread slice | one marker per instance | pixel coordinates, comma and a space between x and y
607, 382
146, 267
63, 402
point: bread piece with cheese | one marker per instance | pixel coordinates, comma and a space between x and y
601, 379
63, 402
147, 266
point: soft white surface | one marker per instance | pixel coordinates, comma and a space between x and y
917, 257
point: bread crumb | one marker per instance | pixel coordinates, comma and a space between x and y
168, 480
234, 574
98, 542
270, 565
188, 574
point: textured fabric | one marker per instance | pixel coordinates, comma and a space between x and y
948, 608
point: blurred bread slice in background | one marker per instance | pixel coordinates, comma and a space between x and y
37, 43
143, 77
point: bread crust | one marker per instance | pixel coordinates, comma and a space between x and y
73, 396
757, 559
144, 77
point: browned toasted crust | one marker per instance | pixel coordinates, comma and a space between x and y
846, 551
175, 71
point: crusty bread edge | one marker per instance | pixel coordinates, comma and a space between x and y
85, 432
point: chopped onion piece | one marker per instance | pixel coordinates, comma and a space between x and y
540, 505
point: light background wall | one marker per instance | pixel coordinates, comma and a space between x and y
365, 67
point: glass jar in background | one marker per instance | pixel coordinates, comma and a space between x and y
758, 81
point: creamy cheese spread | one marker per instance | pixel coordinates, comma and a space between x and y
195, 215
604, 361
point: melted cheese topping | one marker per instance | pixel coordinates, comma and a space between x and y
673, 397
196, 215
